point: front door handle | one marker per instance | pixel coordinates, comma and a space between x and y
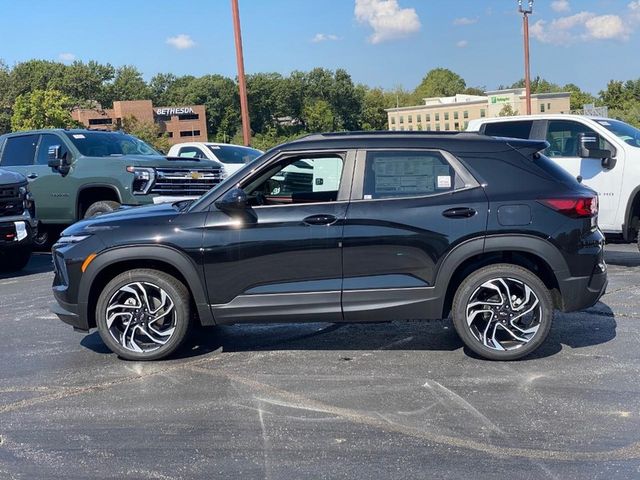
32, 175
322, 219
459, 212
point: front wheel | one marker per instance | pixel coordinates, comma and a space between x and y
101, 207
502, 312
143, 314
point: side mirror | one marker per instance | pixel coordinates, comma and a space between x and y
234, 200
589, 147
56, 157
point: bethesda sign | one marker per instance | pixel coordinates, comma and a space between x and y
174, 111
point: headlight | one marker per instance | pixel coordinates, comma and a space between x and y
72, 239
143, 179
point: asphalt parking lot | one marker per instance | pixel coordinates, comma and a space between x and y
397, 400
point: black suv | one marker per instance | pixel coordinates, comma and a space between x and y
347, 227
17, 226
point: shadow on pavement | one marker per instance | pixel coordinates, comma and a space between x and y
623, 258
39, 263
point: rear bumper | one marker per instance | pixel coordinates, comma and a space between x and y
579, 293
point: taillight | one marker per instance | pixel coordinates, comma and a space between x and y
580, 207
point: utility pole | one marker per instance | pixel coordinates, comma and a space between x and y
244, 107
527, 71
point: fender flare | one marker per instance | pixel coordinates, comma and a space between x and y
627, 214
162, 253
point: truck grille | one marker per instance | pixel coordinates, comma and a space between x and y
10, 201
186, 182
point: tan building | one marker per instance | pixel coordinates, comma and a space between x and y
185, 123
455, 113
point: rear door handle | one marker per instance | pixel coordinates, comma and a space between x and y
459, 212
322, 219
32, 175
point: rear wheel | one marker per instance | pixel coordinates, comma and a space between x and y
143, 314
14, 259
502, 312
101, 207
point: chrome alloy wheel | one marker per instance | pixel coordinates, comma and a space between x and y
503, 314
141, 317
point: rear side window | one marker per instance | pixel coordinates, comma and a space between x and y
19, 151
397, 174
521, 129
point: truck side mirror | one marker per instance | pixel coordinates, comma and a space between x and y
589, 147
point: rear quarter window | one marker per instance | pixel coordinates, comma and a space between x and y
520, 129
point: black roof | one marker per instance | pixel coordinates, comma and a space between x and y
452, 141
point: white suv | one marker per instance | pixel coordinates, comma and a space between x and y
232, 157
603, 152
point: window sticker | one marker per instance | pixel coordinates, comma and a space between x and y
403, 175
78, 135
444, 181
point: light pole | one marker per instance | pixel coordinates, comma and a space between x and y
526, 11
244, 107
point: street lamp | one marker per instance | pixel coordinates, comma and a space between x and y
526, 11
244, 107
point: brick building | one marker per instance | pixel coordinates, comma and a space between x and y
184, 123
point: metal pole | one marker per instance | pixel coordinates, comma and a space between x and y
527, 70
244, 107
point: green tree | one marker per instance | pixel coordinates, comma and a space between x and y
578, 97
539, 85
373, 116
42, 109
5, 102
127, 84
507, 111
318, 116
148, 132
440, 82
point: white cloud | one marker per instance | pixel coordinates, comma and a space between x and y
465, 21
67, 57
560, 6
181, 41
324, 37
387, 19
634, 12
583, 26
462, 44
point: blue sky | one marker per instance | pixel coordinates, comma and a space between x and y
380, 42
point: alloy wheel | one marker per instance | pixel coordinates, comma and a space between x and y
504, 314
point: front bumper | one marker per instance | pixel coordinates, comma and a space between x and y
67, 313
18, 230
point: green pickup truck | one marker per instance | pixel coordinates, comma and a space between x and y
76, 174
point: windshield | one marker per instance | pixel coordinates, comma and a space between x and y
623, 131
105, 144
231, 154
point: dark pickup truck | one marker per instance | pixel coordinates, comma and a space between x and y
17, 226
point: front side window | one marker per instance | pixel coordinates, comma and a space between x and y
562, 136
19, 151
191, 152
398, 174
46, 141
109, 144
297, 180
235, 155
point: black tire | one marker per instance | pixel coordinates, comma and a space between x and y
14, 259
515, 276
181, 316
42, 239
98, 208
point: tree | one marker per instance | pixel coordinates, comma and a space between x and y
5, 103
373, 116
539, 85
318, 117
578, 98
127, 84
42, 109
507, 111
440, 82
147, 132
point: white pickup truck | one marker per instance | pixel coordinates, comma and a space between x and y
232, 157
603, 152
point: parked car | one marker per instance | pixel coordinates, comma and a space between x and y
604, 153
17, 226
418, 226
76, 174
232, 157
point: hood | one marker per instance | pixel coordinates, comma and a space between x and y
137, 215
11, 178
169, 162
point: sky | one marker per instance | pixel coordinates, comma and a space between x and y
382, 43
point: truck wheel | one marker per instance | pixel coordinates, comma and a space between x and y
143, 314
98, 208
502, 312
15, 259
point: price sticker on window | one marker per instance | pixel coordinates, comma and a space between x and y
444, 181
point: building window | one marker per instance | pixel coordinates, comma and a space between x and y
189, 116
410, 127
455, 115
446, 126
542, 107
418, 127
548, 106
446, 115
437, 127
483, 113
456, 126
418, 118
428, 117
100, 121
466, 125
428, 127
410, 118
465, 114
393, 120
393, 129
170, 134
190, 133
437, 117
163, 118
401, 119
402, 128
